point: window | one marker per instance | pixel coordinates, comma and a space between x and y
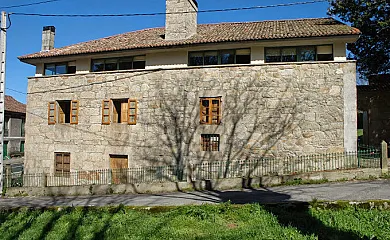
300, 54
210, 142
22, 128
62, 163
210, 110
235, 56
60, 68
5, 149
113, 64
63, 111
119, 111
22, 146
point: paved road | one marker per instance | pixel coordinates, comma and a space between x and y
359, 191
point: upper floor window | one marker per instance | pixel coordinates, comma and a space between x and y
60, 68
113, 64
210, 110
235, 56
299, 54
64, 111
119, 111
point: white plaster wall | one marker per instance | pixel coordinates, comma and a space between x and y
177, 58
83, 65
339, 51
257, 55
39, 70
169, 59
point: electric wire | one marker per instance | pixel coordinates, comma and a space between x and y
29, 4
164, 13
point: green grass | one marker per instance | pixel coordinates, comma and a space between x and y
223, 221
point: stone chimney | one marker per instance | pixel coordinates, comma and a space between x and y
48, 35
178, 25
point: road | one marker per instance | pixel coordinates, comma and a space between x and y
353, 191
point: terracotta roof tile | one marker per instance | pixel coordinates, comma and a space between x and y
12, 105
207, 33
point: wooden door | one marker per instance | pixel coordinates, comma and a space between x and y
119, 165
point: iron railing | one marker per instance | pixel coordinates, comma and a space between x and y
206, 170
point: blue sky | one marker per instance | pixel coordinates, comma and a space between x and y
24, 36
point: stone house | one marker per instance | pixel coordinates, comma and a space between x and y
14, 121
374, 110
188, 93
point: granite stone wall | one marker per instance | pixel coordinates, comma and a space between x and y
183, 25
267, 110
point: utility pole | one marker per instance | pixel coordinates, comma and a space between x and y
3, 35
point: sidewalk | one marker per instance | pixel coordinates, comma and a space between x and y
354, 191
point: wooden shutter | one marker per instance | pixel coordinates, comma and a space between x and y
51, 115
124, 112
210, 110
61, 113
106, 109
215, 110
132, 112
74, 112
62, 162
204, 110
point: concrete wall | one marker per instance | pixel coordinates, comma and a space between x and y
267, 110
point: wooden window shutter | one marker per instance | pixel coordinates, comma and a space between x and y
106, 109
204, 110
51, 113
215, 111
132, 112
74, 112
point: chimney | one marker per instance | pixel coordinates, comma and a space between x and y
179, 26
48, 34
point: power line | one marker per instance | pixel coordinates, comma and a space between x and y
13, 90
164, 13
29, 4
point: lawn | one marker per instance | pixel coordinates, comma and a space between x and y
223, 221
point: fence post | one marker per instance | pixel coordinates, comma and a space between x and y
384, 161
8, 175
44, 180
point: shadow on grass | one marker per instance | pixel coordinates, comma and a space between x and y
288, 213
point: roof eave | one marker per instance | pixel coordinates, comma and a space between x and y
348, 38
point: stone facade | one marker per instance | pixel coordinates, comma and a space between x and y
183, 25
267, 110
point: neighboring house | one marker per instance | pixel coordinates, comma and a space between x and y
189, 93
374, 110
14, 120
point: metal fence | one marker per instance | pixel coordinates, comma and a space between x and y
287, 165
206, 170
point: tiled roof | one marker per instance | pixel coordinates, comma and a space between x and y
208, 33
12, 105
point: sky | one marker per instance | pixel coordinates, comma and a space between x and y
24, 35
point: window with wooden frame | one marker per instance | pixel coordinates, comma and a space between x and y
210, 142
119, 111
210, 110
63, 111
62, 163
